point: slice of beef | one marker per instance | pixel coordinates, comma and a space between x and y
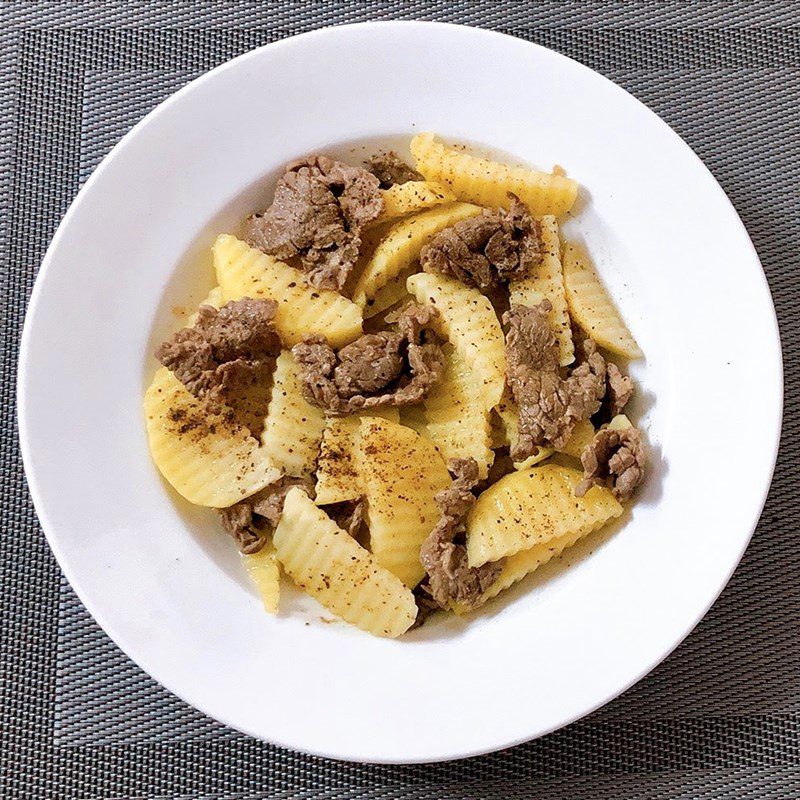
226, 349
615, 458
377, 369
248, 533
356, 189
502, 465
369, 364
391, 170
414, 321
252, 520
351, 516
268, 503
498, 296
444, 554
426, 605
549, 405
531, 343
586, 387
240, 329
487, 250
319, 209
619, 387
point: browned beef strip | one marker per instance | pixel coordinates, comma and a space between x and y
426, 605
549, 405
391, 170
225, 349
450, 578
619, 389
386, 368
531, 344
234, 375
351, 516
413, 321
239, 522
486, 250
356, 189
586, 387
240, 329
317, 362
614, 458
319, 209
369, 364
252, 520
498, 296
502, 465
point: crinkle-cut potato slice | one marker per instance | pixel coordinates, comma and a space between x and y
619, 423
592, 308
487, 183
371, 237
401, 472
526, 561
390, 295
265, 573
243, 271
523, 563
508, 423
468, 320
531, 507
337, 478
547, 281
414, 417
581, 436
214, 298
293, 427
333, 568
457, 420
210, 459
542, 454
411, 197
401, 246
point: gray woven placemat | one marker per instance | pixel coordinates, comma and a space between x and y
719, 719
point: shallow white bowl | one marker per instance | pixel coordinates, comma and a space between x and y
169, 589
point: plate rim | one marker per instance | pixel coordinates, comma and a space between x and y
38, 289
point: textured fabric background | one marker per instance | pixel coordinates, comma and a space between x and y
719, 719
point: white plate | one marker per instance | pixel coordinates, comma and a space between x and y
168, 588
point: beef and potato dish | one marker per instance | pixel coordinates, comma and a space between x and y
406, 391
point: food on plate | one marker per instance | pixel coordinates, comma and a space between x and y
400, 248
489, 183
402, 393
